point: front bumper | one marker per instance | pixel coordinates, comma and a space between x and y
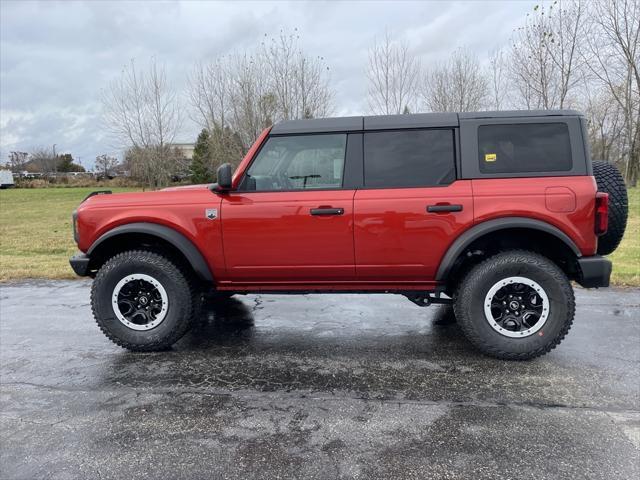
80, 264
595, 271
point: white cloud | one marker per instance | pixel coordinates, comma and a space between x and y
56, 56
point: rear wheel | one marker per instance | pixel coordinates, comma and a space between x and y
515, 305
142, 301
610, 181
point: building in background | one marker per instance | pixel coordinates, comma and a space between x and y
186, 149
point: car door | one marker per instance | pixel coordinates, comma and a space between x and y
290, 219
411, 207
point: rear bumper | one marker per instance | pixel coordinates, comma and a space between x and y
80, 264
595, 271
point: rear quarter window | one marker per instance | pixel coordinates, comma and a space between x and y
523, 148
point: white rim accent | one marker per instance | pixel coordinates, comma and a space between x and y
163, 295
524, 333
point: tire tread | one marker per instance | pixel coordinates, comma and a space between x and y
610, 180
169, 268
477, 275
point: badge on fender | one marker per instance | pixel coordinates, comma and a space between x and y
211, 213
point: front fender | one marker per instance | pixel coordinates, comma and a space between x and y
175, 238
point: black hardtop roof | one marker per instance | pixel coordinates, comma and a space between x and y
520, 113
412, 120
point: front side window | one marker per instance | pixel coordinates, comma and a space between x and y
298, 162
409, 158
524, 148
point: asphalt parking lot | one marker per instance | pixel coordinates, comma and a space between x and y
313, 387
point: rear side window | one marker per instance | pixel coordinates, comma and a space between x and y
525, 147
409, 158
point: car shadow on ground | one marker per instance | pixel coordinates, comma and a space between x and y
236, 346
370, 346
223, 318
231, 322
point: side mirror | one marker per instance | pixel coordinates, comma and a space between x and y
224, 174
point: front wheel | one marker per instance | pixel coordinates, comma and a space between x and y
515, 305
142, 301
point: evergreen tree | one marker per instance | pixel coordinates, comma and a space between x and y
65, 163
201, 171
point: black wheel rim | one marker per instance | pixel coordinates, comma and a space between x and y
516, 307
140, 302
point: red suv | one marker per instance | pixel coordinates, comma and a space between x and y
494, 212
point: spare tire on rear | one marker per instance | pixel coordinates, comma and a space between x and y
610, 181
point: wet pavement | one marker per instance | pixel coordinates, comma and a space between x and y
313, 387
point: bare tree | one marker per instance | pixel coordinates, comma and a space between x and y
545, 59
605, 125
210, 92
43, 159
459, 85
17, 161
254, 105
300, 83
232, 99
498, 81
105, 164
238, 95
564, 43
614, 41
393, 75
142, 111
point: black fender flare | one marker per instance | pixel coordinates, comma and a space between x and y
504, 223
175, 238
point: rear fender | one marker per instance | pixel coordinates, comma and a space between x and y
465, 239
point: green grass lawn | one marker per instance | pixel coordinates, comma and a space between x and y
626, 259
36, 239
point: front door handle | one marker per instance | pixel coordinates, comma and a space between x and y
327, 211
444, 208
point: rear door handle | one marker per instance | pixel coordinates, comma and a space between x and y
327, 211
444, 208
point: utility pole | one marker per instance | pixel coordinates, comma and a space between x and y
55, 162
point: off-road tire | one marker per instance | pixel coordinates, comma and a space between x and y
470, 297
177, 284
610, 181
224, 295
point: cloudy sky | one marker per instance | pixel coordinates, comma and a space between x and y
55, 56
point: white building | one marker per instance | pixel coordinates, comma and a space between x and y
186, 149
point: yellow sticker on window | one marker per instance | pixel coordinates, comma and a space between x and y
489, 157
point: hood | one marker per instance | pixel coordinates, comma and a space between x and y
200, 186
187, 194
